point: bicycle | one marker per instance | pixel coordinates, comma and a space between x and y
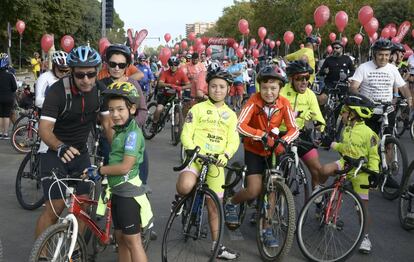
173, 111
406, 201
402, 117
331, 229
25, 136
187, 234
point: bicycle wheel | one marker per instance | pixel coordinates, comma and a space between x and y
23, 138
22, 120
297, 181
229, 192
29, 191
401, 120
406, 203
396, 159
281, 219
332, 238
53, 245
187, 238
177, 125
412, 129
147, 129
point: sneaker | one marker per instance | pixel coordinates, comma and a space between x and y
226, 253
6, 137
317, 200
230, 213
269, 240
365, 246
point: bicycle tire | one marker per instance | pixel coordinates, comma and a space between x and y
277, 253
392, 192
25, 145
406, 202
313, 214
33, 176
177, 128
147, 127
400, 122
229, 192
59, 231
179, 214
19, 121
412, 130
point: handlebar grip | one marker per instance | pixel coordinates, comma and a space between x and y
191, 154
239, 174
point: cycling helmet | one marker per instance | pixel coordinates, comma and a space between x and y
298, 67
122, 89
382, 44
337, 42
4, 60
118, 49
173, 61
268, 72
311, 39
83, 56
59, 58
214, 70
188, 56
362, 105
142, 57
397, 47
234, 58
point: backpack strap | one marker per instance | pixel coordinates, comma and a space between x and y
68, 95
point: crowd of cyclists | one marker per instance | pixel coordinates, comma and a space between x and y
265, 101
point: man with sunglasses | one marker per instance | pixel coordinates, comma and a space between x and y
69, 111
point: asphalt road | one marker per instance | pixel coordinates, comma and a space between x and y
390, 241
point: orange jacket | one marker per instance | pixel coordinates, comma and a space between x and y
254, 122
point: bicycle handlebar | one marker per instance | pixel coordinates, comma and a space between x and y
355, 163
191, 155
239, 174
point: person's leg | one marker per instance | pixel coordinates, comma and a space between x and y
48, 217
254, 187
311, 160
123, 251
186, 181
135, 248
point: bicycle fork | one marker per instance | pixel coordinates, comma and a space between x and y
384, 165
69, 219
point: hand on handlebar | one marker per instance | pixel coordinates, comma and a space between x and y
176, 87
222, 160
268, 141
92, 172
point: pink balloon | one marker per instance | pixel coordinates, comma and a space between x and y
20, 26
373, 38
191, 48
198, 41
344, 40
176, 47
385, 33
243, 26
408, 51
332, 37
167, 37
321, 15
278, 43
365, 14
329, 49
191, 36
240, 52
372, 26
267, 41
235, 45
319, 40
103, 44
412, 33
164, 55
201, 48
308, 29
67, 43
46, 42
262, 32
247, 31
358, 39
209, 51
301, 46
395, 39
249, 52
393, 31
272, 44
288, 37
252, 42
184, 44
255, 53
130, 39
341, 20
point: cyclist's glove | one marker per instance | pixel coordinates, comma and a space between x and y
307, 115
61, 150
268, 141
94, 173
222, 160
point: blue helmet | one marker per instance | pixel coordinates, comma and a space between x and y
4, 60
83, 56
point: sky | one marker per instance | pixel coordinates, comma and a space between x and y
167, 16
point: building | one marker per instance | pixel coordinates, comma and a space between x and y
198, 27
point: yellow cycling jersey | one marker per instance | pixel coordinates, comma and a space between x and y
302, 105
211, 128
307, 55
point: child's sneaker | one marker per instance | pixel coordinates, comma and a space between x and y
365, 246
231, 216
317, 200
269, 240
226, 253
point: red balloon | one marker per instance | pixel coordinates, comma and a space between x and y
191, 48
365, 14
372, 26
344, 40
395, 39
176, 47
412, 33
319, 40
46, 42
245, 49
308, 29
332, 37
201, 48
301, 46
192, 36
209, 51
240, 52
393, 31
252, 42
249, 52
164, 55
272, 44
198, 41
341, 20
235, 45
167, 37
20, 26
403, 30
278, 43
358, 39
243, 26
262, 32
288, 37
255, 53
329, 49
321, 15
67, 43
408, 51
247, 31
385, 33
130, 39
373, 38
267, 41
103, 44
184, 44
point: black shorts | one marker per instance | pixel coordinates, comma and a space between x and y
304, 149
50, 160
256, 164
6, 108
126, 215
163, 99
375, 124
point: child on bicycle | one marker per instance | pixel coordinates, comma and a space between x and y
131, 209
211, 125
358, 140
263, 112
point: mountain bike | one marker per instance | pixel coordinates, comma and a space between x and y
402, 117
406, 201
24, 136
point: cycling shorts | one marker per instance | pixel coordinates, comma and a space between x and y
306, 151
256, 164
6, 108
214, 178
237, 89
50, 160
163, 99
126, 214
362, 179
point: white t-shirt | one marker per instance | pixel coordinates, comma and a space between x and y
378, 83
411, 61
43, 83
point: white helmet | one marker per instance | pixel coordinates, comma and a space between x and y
59, 58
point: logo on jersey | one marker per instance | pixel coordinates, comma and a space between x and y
373, 141
189, 118
209, 112
225, 115
131, 141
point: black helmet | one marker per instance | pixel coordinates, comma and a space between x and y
382, 44
118, 49
173, 61
311, 39
270, 72
142, 57
298, 67
83, 56
361, 104
397, 47
214, 70
337, 42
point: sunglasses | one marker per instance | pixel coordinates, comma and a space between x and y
120, 65
81, 75
302, 78
63, 70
